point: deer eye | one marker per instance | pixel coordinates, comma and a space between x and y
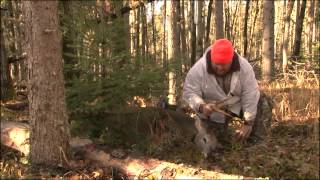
204, 140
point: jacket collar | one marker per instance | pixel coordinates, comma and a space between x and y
235, 66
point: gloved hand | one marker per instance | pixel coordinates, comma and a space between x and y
244, 132
206, 109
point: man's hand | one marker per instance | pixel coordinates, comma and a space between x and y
206, 109
244, 132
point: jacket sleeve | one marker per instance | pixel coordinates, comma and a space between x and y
192, 93
250, 95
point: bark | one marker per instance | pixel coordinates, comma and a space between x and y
207, 40
286, 34
49, 134
268, 40
245, 29
219, 19
298, 29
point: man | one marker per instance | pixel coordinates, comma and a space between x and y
221, 75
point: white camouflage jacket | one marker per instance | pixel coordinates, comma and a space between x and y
201, 86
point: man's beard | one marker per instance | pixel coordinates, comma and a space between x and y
222, 74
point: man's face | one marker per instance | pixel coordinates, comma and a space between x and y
221, 69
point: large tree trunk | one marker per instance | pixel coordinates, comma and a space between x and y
245, 29
219, 19
298, 29
286, 36
49, 134
268, 40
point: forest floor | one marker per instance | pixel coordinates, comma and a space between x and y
291, 150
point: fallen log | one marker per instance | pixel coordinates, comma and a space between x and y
15, 135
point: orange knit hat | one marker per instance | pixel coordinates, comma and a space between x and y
222, 51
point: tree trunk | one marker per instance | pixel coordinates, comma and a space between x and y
253, 27
127, 29
183, 36
315, 30
6, 83
164, 40
309, 32
232, 29
227, 23
207, 39
268, 40
245, 29
20, 66
219, 19
132, 21
200, 29
144, 39
193, 34
173, 47
154, 43
49, 134
138, 33
286, 36
298, 29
